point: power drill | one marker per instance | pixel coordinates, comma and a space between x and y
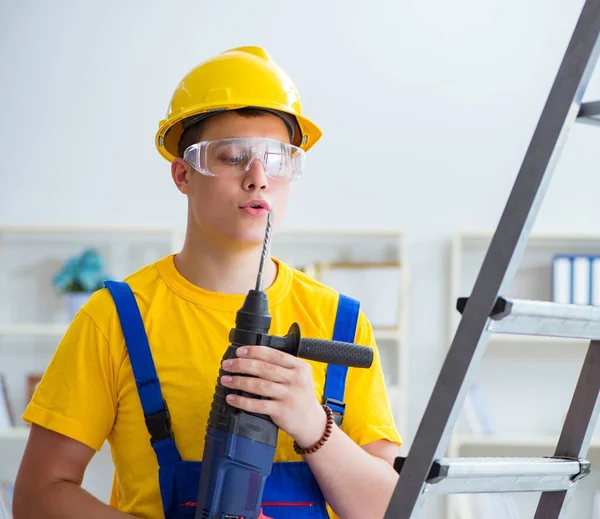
239, 446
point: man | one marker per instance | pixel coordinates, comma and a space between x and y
236, 137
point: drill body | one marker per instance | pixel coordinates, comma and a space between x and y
239, 446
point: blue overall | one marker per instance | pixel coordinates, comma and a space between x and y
291, 491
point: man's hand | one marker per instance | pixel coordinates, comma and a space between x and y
288, 383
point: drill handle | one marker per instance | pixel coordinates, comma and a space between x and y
321, 350
336, 352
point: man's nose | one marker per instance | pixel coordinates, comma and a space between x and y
256, 176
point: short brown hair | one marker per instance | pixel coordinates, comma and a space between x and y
193, 133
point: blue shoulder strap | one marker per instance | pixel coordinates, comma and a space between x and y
156, 412
335, 381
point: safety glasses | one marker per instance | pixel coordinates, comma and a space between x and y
235, 157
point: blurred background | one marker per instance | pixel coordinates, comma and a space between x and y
427, 109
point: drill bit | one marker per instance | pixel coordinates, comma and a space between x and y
265, 252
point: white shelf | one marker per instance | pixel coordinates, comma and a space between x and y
15, 433
387, 334
75, 230
534, 340
59, 329
480, 239
33, 329
496, 442
533, 345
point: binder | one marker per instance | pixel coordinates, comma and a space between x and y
576, 279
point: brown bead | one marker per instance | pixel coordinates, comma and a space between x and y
321, 442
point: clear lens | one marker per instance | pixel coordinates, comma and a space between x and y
235, 157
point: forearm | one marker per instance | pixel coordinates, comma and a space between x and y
354, 483
62, 500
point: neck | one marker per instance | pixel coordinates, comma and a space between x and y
218, 267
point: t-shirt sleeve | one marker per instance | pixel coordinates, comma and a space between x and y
368, 415
76, 396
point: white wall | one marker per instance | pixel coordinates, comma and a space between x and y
427, 109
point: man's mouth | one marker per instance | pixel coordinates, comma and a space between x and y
256, 204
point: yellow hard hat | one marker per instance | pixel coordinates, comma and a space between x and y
237, 78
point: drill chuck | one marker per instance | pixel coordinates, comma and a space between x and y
254, 316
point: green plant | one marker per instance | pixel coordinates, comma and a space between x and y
82, 273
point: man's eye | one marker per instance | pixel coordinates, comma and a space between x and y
232, 159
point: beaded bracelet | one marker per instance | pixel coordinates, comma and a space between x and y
321, 442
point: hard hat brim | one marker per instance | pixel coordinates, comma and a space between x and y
170, 130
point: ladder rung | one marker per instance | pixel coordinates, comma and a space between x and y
476, 475
523, 317
589, 110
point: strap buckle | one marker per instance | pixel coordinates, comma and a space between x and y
159, 425
337, 407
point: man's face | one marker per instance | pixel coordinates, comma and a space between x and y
219, 205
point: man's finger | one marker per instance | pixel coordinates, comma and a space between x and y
267, 354
259, 368
253, 405
256, 386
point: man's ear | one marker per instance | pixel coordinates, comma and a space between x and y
180, 171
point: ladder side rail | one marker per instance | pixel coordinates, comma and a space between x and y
577, 431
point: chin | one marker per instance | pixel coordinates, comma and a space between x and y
247, 235
254, 229
252, 237
245, 232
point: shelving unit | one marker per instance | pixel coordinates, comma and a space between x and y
33, 317
525, 383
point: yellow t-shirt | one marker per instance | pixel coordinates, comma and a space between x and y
88, 391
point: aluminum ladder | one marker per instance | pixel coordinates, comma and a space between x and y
424, 470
